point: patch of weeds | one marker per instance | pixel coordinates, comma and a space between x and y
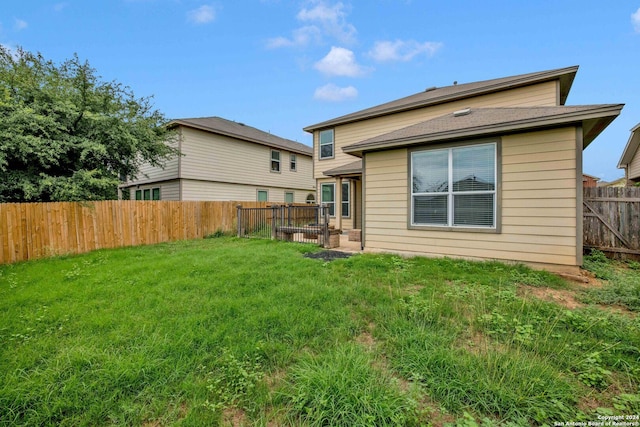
233, 382
598, 263
629, 403
216, 234
341, 388
621, 289
591, 372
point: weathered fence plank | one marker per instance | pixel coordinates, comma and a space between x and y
612, 219
35, 230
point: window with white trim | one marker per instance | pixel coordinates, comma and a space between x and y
328, 197
326, 144
346, 199
293, 162
263, 196
275, 161
454, 187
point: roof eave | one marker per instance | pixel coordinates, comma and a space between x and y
602, 116
178, 122
630, 149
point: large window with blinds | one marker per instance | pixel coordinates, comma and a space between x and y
454, 187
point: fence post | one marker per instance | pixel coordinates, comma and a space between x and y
239, 219
274, 221
325, 230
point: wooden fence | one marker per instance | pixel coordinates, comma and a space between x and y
36, 230
612, 219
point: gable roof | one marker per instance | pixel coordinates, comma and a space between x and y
433, 96
479, 122
631, 147
237, 130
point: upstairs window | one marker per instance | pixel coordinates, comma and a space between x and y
275, 161
293, 162
454, 187
326, 144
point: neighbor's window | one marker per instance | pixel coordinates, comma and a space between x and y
275, 161
345, 199
311, 198
288, 197
328, 197
263, 195
147, 194
293, 162
454, 187
138, 194
326, 144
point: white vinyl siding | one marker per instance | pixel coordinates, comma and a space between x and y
211, 157
538, 205
541, 94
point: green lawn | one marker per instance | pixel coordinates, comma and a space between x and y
246, 332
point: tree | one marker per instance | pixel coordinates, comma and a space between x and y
65, 135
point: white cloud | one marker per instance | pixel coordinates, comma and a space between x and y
402, 50
59, 6
635, 19
332, 19
301, 37
20, 24
340, 62
333, 93
202, 15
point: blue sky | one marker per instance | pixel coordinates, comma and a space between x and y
280, 65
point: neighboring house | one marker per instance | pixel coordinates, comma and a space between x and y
589, 181
630, 160
620, 182
485, 170
225, 160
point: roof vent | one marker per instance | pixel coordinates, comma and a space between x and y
429, 89
241, 124
462, 112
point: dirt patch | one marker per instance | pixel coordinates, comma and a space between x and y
328, 255
234, 417
563, 297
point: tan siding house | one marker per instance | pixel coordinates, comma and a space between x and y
630, 160
484, 170
225, 160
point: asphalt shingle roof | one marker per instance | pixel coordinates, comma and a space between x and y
241, 131
433, 96
477, 122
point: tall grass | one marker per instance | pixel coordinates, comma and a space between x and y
226, 331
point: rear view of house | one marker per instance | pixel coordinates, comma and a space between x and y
483, 170
226, 160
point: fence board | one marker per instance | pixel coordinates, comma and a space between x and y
614, 224
35, 230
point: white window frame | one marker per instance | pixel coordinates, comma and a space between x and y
275, 161
330, 204
451, 194
321, 144
346, 193
258, 195
293, 162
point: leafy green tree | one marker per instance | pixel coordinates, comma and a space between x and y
65, 135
